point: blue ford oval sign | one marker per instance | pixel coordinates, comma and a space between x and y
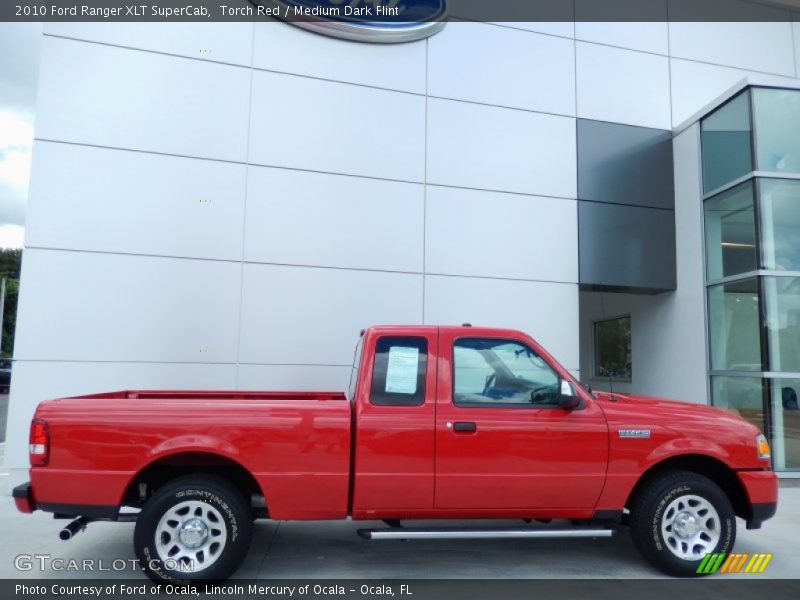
377, 21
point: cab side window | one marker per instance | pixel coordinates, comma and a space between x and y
398, 377
492, 372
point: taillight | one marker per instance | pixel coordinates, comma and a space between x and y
39, 447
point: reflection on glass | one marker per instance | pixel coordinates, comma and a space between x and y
733, 326
780, 223
782, 295
743, 396
777, 124
726, 141
731, 232
612, 349
785, 424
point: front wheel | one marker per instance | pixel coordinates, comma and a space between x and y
196, 528
678, 518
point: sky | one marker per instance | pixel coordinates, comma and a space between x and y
19, 68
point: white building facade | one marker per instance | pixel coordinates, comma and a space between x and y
225, 206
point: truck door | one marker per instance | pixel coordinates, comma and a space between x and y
394, 410
502, 441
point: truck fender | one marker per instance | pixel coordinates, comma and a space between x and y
678, 447
193, 443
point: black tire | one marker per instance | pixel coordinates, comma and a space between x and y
224, 514
648, 509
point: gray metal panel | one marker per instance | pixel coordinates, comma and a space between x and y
624, 164
627, 248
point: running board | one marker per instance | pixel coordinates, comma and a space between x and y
481, 534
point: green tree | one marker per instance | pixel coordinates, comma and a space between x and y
10, 261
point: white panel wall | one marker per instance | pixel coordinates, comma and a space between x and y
557, 28
500, 149
622, 86
107, 96
465, 238
302, 218
647, 37
101, 306
86, 198
485, 63
294, 315
546, 311
319, 56
323, 126
317, 378
220, 42
696, 84
765, 47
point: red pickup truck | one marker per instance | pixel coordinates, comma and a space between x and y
438, 423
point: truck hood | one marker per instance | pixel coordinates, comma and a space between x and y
659, 410
659, 428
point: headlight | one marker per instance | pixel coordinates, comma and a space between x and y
762, 446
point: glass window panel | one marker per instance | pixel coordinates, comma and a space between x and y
785, 424
726, 143
612, 349
782, 295
743, 396
777, 124
731, 232
398, 375
733, 323
780, 223
491, 372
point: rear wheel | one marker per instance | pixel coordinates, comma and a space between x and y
678, 518
195, 528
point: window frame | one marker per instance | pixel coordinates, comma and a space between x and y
422, 391
516, 405
355, 370
595, 353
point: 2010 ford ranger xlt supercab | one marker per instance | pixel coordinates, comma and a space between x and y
439, 423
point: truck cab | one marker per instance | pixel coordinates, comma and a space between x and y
454, 419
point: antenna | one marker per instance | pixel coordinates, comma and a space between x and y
603, 312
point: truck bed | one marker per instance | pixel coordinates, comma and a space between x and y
205, 394
296, 445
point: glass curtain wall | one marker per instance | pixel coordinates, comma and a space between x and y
751, 184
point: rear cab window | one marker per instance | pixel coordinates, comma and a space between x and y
398, 374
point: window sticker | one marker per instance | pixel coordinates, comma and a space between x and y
401, 373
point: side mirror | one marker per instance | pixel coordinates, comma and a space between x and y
569, 399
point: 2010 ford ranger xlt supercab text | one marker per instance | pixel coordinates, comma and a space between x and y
439, 423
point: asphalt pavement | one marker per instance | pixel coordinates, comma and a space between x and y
333, 550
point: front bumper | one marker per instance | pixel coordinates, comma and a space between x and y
23, 498
760, 513
761, 488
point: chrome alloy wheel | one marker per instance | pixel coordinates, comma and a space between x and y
690, 527
190, 536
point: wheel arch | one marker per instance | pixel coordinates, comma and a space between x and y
700, 464
169, 467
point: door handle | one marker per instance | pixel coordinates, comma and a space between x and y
465, 427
